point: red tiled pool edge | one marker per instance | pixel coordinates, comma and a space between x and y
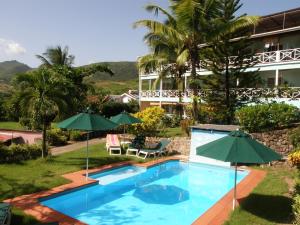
216, 215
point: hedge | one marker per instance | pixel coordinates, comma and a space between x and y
17, 153
263, 117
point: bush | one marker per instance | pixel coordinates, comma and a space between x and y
76, 135
17, 153
294, 137
152, 120
264, 117
110, 109
171, 121
294, 158
57, 137
296, 209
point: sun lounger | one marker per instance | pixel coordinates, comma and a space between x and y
159, 150
5, 214
136, 144
113, 144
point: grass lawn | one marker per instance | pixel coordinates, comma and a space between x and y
269, 203
173, 132
36, 175
10, 125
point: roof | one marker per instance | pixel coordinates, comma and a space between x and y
278, 21
216, 127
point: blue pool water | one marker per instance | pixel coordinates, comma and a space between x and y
170, 193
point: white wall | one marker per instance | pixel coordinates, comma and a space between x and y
201, 137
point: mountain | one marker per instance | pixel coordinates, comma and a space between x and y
9, 68
125, 76
123, 71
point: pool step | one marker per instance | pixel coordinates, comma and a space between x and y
118, 174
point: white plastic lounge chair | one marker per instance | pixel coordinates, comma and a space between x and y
132, 150
5, 214
113, 144
159, 150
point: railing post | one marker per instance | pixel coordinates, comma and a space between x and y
278, 56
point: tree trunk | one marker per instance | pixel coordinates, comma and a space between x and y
44, 139
227, 92
195, 102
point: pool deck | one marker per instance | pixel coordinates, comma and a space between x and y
216, 215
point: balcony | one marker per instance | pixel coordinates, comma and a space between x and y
281, 56
263, 59
291, 93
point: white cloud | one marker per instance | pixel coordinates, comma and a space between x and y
10, 48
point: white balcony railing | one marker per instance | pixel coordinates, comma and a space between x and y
291, 93
281, 56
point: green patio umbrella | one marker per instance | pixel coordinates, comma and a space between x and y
87, 122
124, 119
238, 147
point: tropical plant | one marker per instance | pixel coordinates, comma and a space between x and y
54, 56
59, 60
262, 117
152, 119
187, 26
294, 137
42, 95
229, 60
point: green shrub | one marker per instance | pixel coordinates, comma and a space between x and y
110, 108
17, 153
76, 135
265, 117
171, 121
152, 121
296, 209
294, 137
57, 137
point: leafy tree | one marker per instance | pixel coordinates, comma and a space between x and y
60, 61
188, 24
228, 56
42, 95
56, 56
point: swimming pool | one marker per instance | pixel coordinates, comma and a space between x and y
170, 193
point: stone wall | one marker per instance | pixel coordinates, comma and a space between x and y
277, 140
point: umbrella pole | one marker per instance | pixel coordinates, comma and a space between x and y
234, 194
87, 156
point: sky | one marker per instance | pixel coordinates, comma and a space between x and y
94, 30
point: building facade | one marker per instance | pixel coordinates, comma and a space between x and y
276, 40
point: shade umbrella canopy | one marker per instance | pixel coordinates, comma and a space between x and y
125, 118
238, 147
87, 122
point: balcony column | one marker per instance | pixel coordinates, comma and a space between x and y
140, 88
160, 91
277, 78
150, 84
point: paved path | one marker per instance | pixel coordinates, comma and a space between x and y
75, 146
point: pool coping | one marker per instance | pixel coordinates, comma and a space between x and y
216, 215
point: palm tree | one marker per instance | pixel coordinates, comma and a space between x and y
43, 94
188, 24
60, 61
56, 56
